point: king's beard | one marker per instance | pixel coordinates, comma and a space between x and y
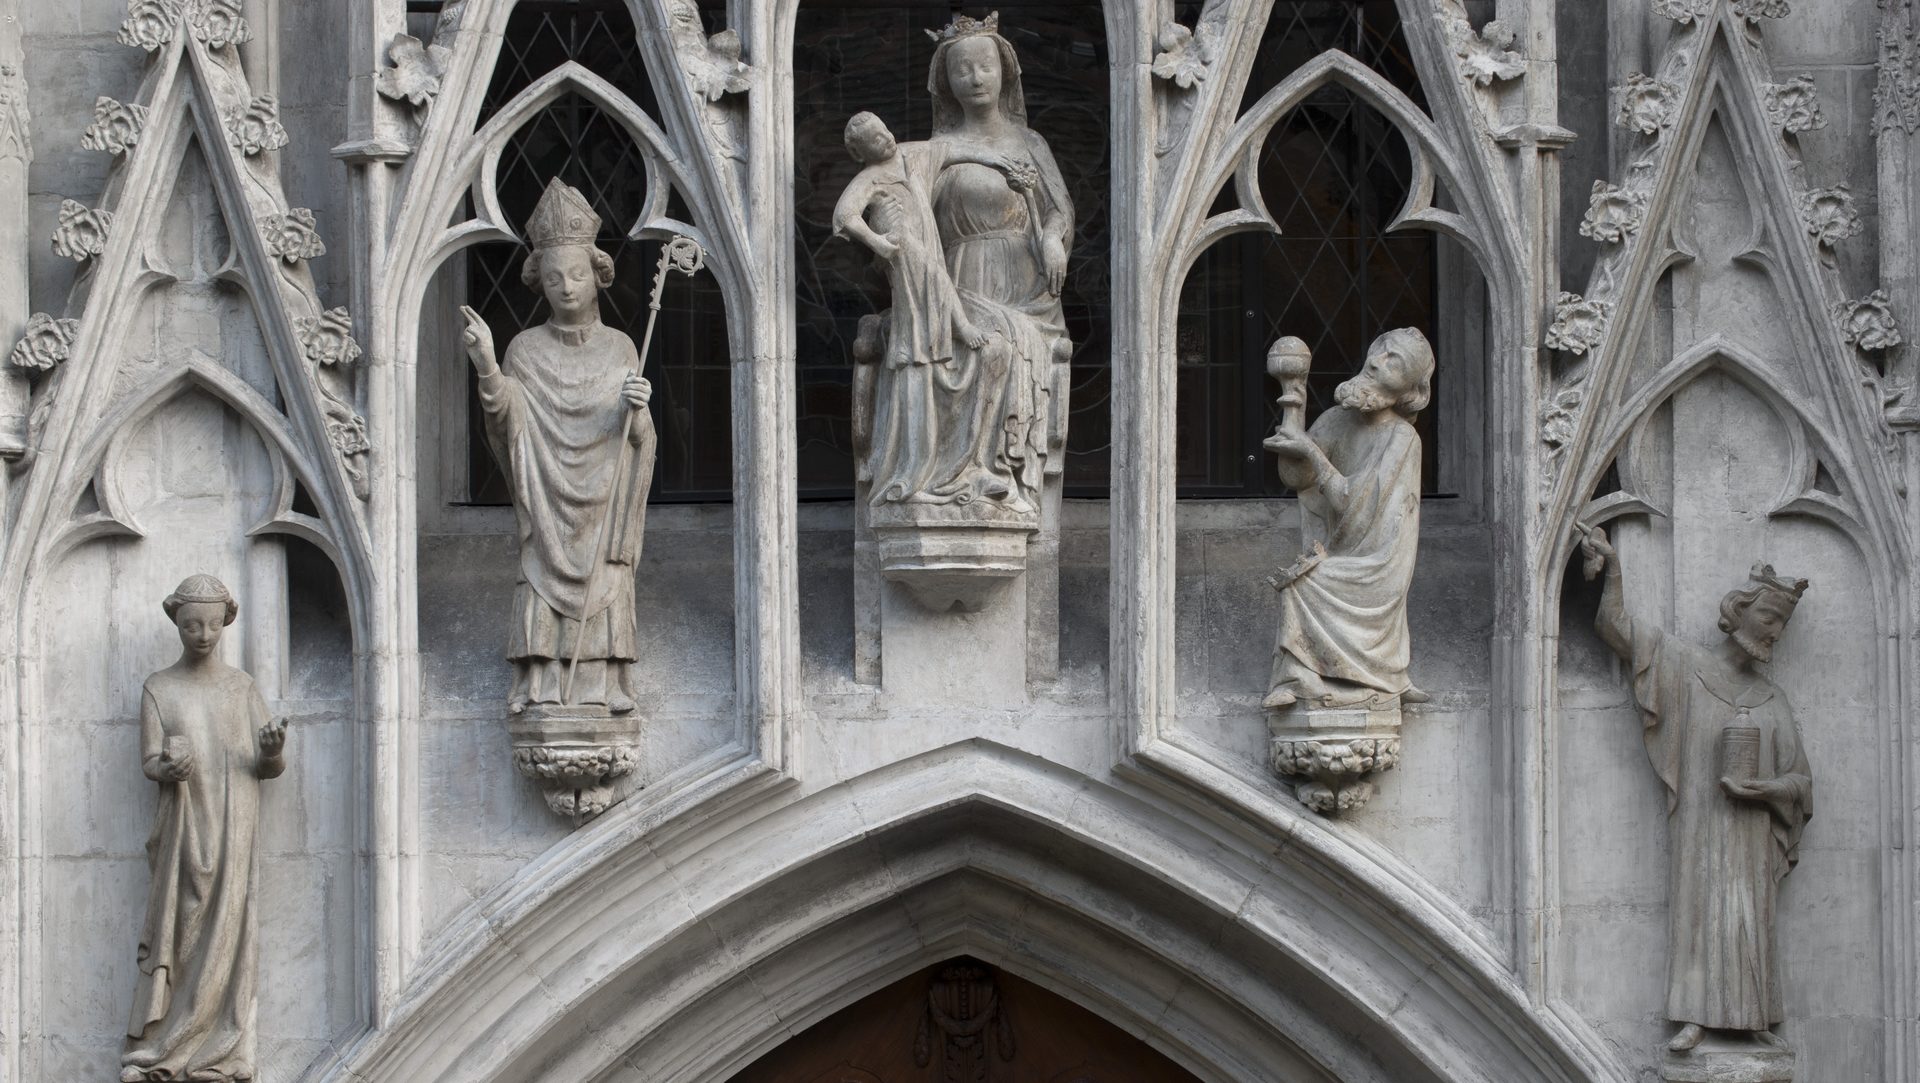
1363, 394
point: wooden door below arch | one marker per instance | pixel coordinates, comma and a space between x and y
962, 1021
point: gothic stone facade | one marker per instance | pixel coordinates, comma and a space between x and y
1673, 253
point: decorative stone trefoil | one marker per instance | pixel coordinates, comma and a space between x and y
47, 341
116, 126
82, 231
1868, 323
1613, 212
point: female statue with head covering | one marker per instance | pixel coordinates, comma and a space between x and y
979, 420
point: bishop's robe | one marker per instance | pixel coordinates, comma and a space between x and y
1345, 617
555, 419
1726, 855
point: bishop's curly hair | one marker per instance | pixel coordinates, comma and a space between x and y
602, 267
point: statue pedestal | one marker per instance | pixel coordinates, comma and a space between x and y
951, 556
957, 604
1332, 753
1728, 1060
1722, 1059
576, 753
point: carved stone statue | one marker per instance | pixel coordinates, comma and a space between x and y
566, 415
1340, 658
205, 737
965, 383
1722, 738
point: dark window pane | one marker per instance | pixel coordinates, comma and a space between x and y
1334, 173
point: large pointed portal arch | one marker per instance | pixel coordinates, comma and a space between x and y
671, 950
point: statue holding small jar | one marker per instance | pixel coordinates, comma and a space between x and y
1739, 792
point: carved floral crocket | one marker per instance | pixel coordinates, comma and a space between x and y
1723, 740
1343, 639
206, 738
562, 410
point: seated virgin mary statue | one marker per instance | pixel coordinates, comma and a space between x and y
963, 381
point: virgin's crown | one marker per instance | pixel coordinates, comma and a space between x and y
563, 216
966, 26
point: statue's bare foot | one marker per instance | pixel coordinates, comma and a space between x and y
1415, 695
1689, 1036
1769, 1038
1282, 696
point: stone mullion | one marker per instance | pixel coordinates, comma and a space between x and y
16, 154
387, 705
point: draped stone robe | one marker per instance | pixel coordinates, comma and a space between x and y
193, 1005
1726, 854
1345, 619
554, 417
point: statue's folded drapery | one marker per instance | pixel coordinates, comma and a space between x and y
1345, 618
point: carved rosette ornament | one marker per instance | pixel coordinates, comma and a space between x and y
1644, 104
1868, 324
1829, 215
47, 342
292, 236
150, 23
116, 127
1794, 106
1613, 212
961, 386
255, 127
82, 231
1578, 324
